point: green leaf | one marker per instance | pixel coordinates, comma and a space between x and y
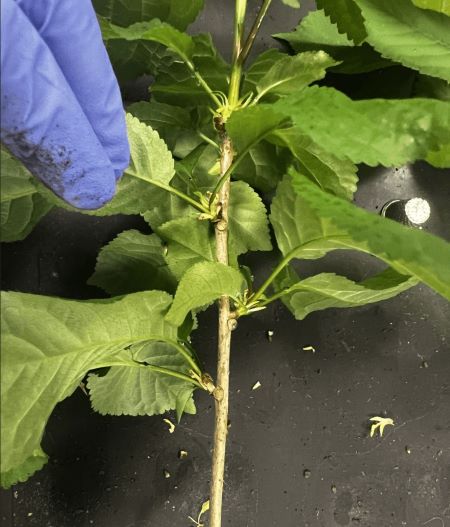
21, 206
291, 74
175, 83
132, 262
327, 290
309, 222
441, 6
292, 3
151, 162
259, 68
202, 284
132, 59
165, 207
141, 391
20, 216
48, 346
347, 16
414, 37
263, 166
173, 124
316, 32
179, 13
440, 158
331, 174
376, 131
150, 157
251, 125
194, 168
189, 241
16, 180
155, 31
248, 222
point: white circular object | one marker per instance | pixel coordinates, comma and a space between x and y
417, 210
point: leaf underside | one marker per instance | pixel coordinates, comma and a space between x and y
375, 131
308, 223
48, 346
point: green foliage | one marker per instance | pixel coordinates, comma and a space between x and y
189, 241
140, 390
347, 16
248, 222
133, 262
48, 346
202, 284
175, 83
441, 6
417, 38
21, 206
377, 131
136, 348
316, 32
329, 172
150, 157
179, 13
155, 31
249, 126
326, 290
309, 222
174, 125
134, 58
291, 74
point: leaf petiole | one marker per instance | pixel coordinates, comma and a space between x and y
180, 194
254, 31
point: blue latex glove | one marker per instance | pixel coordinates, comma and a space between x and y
62, 113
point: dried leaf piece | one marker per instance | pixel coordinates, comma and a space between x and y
256, 385
380, 423
171, 425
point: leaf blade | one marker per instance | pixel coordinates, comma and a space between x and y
407, 129
202, 284
414, 37
40, 368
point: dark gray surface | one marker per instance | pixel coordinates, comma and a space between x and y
311, 412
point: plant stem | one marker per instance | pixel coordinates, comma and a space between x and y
186, 355
173, 373
224, 342
226, 323
254, 31
180, 194
208, 140
273, 275
203, 83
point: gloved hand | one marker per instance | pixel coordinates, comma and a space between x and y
61, 109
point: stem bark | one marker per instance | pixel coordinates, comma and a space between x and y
224, 343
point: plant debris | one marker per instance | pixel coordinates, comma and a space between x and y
380, 423
197, 522
309, 348
171, 425
256, 385
269, 335
182, 454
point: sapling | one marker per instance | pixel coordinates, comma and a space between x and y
211, 137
